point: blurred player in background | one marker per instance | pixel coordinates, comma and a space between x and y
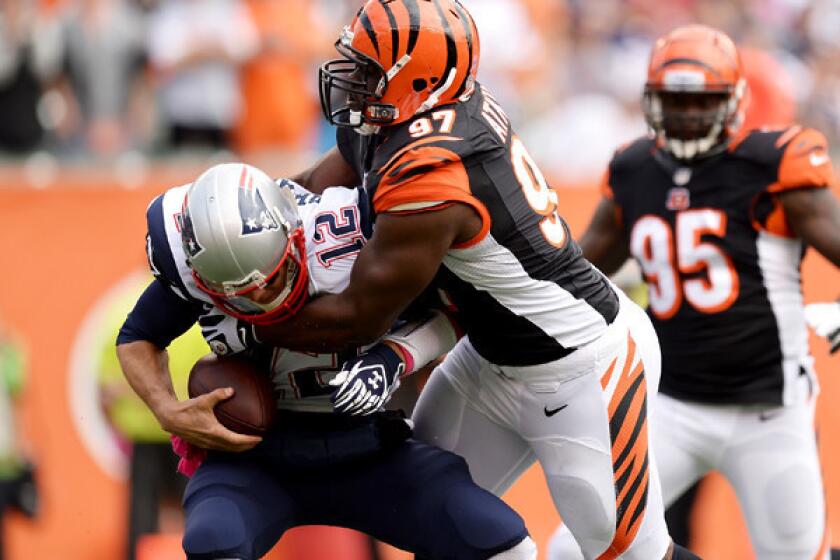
236, 248
195, 49
556, 365
17, 483
770, 103
718, 218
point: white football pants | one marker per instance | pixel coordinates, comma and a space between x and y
768, 455
583, 417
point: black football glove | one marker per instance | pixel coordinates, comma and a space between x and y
366, 381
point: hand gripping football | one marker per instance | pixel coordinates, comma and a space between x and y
251, 409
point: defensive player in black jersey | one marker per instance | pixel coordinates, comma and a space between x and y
718, 219
555, 366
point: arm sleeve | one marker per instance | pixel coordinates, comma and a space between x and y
424, 340
159, 317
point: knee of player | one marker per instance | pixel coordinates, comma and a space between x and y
526, 549
483, 523
588, 511
797, 512
213, 529
562, 545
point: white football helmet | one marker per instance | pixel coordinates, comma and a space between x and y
240, 230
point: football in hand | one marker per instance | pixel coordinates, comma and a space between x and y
251, 408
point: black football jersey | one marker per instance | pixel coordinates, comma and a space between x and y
722, 264
525, 293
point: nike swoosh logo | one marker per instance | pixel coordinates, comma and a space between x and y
551, 413
817, 159
769, 414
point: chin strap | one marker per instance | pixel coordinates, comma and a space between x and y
367, 129
689, 149
729, 116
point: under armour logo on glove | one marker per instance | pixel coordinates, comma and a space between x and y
824, 318
365, 382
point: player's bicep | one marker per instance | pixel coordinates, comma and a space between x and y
159, 317
814, 214
401, 259
604, 243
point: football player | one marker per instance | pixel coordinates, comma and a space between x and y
234, 249
556, 365
718, 218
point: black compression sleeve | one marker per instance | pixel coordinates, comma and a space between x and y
159, 316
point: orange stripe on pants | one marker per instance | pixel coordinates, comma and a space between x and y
628, 432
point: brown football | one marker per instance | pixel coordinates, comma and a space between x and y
251, 408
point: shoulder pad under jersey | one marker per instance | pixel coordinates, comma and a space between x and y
336, 229
302, 195
454, 132
764, 146
159, 249
167, 260
799, 156
632, 154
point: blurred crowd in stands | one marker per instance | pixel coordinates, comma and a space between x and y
104, 80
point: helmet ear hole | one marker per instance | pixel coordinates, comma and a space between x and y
419, 84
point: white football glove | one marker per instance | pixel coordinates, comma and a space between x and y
366, 381
824, 318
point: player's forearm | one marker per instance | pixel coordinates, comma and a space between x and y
421, 342
329, 323
146, 369
603, 243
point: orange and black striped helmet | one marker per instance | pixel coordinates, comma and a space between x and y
695, 91
400, 58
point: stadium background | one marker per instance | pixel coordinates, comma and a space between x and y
73, 194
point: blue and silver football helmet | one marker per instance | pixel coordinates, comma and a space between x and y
240, 230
